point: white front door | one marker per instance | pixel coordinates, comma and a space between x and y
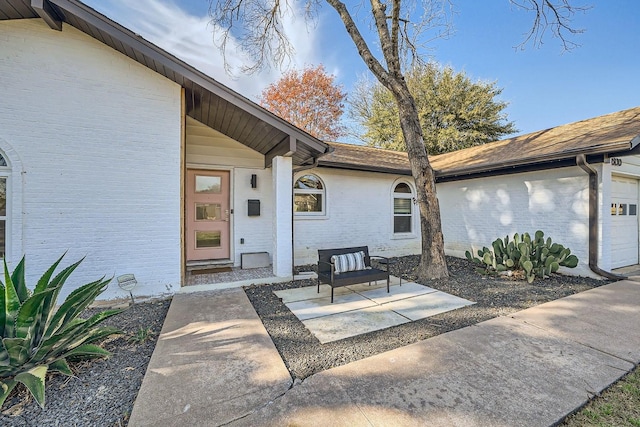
624, 221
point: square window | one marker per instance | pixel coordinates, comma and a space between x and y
308, 203
208, 212
401, 206
402, 224
633, 209
622, 209
207, 239
208, 184
614, 209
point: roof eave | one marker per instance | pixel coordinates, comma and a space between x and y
538, 161
364, 168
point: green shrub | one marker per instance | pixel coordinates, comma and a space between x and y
36, 337
535, 257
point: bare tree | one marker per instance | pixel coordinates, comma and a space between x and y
403, 30
556, 16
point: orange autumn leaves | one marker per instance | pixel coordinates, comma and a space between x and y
309, 99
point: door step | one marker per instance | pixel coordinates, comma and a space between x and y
213, 265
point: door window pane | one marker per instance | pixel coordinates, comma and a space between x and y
208, 184
208, 212
633, 209
207, 239
622, 209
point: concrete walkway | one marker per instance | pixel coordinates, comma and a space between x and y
215, 365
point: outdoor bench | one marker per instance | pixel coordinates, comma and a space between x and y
348, 266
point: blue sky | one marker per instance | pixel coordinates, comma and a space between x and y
544, 87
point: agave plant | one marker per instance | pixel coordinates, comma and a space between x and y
37, 337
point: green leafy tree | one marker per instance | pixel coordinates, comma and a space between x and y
455, 112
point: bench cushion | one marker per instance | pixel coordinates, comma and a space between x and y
348, 262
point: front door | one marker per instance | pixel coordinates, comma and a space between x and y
207, 215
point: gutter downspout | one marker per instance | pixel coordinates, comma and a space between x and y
581, 161
293, 172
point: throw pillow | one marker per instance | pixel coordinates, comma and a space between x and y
348, 262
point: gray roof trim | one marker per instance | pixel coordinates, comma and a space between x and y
44, 9
380, 169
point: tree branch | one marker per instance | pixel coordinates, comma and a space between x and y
363, 49
554, 15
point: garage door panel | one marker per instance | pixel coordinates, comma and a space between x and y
624, 221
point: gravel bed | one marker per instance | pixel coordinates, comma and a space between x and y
102, 392
494, 296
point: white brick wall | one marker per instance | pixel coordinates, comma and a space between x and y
476, 212
98, 136
255, 230
359, 209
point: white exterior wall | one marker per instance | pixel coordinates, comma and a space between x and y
257, 231
94, 143
476, 212
359, 212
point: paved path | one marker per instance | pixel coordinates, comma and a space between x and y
528, 369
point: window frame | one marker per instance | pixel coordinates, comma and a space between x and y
410, 196
323, 192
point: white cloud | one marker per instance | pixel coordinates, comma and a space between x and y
190, 38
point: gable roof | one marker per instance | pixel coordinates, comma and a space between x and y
207, 100
611, 134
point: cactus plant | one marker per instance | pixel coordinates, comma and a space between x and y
536, 257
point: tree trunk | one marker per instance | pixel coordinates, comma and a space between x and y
432, 263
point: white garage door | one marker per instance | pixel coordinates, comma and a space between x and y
624, 221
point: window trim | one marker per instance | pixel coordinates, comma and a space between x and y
5, 172
411, 196
322, 214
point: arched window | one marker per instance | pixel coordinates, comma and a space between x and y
309, 196
4, 176
402, 209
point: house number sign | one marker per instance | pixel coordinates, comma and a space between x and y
616, 161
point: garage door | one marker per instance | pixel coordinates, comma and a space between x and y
624, 221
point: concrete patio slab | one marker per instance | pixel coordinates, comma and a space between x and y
427, 305
361, 287
353, 323
309, 292
407, 290
317, 307
213, 361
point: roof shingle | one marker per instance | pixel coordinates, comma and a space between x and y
611, 133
